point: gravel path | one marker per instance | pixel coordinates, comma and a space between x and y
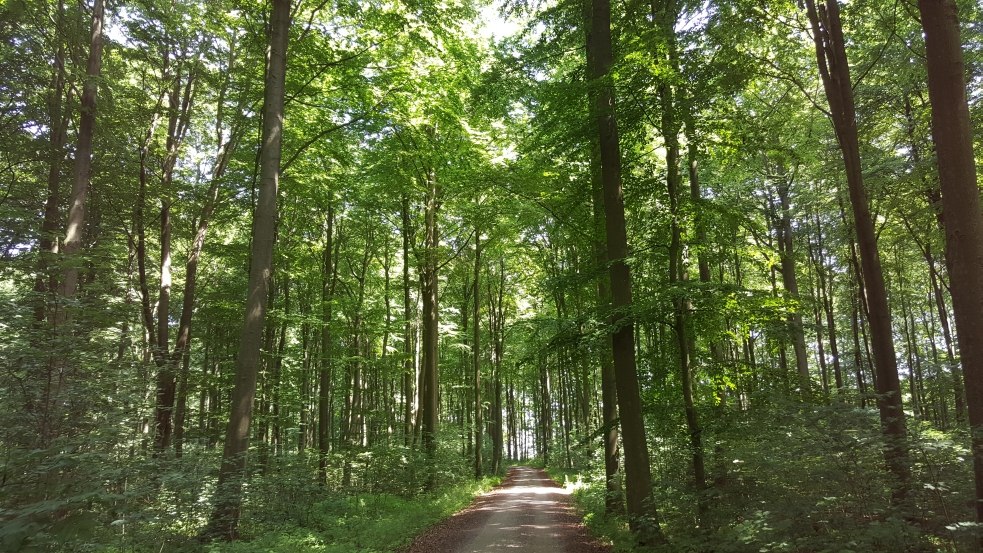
528, 512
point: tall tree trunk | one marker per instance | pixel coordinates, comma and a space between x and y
826, 291
224, 520
179, 105
638, 478
790, 281
835, 73
182, 345
496, 316
57, 378
952, 132
409, 365
934, 198
614, 500
74, 229
324, 407
665, 16
670, 130
46, 281
476, 354
305, 379
429, 393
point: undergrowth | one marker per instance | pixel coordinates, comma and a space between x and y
790, 479
157, 506
364, 523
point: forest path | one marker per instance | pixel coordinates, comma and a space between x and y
528, 512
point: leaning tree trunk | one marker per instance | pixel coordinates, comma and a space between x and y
228, 496
835, 73
952, 132
638, 478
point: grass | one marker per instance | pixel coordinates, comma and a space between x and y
588, 498
364, 523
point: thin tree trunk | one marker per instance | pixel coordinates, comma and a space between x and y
329, 278
476, 351
57, 377
409, 365
496, 314
46, 280
790, 281
180, 103
670, 131
826, 290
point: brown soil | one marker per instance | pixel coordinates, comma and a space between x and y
528, 513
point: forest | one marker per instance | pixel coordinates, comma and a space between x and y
307, 275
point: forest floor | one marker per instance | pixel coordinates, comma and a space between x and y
528, 512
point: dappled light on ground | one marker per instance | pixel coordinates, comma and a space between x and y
528, 513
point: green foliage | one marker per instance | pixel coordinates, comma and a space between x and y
789, 478
361, 523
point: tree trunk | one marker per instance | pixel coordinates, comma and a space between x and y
952, 132
57, 378
835, 73
74, 229
46, 281
328, 280
790, 282
638, 478
614, 500
826, 292
496, 315
476, 354
228, 500
179, 104
409, 366
429, 393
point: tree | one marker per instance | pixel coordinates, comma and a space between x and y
228, 499
638, 479
59, 376
953, 136
835, 72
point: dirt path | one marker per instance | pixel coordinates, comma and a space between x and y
528, 512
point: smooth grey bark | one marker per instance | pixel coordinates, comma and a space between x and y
329, 279
409, 366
